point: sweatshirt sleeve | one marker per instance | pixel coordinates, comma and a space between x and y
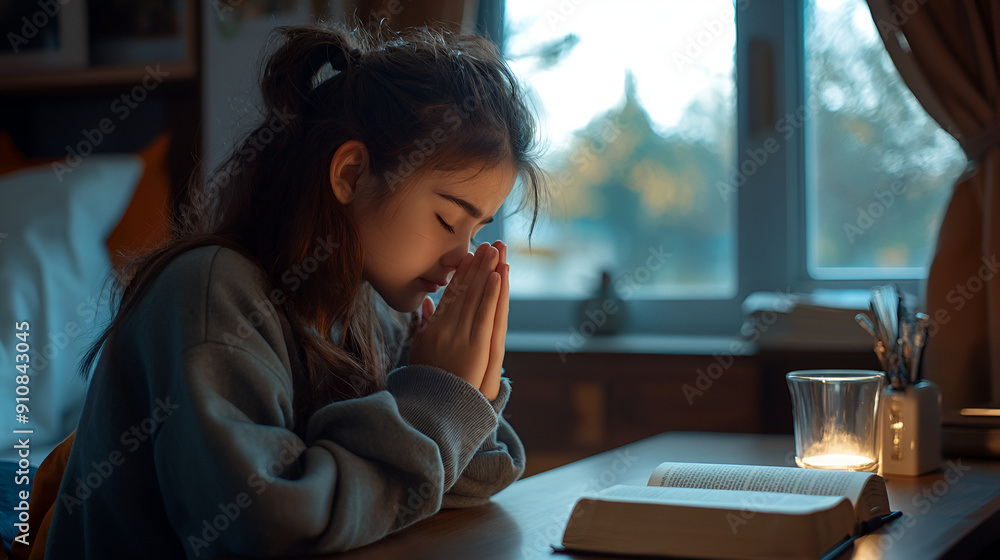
236, 479
498, 462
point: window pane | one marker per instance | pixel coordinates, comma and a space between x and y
879, 169
638, 112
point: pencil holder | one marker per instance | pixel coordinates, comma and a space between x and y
911, 429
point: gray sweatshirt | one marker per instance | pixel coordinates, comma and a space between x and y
187, 445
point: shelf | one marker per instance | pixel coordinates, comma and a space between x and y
101, 76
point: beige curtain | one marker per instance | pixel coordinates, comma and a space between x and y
947, 53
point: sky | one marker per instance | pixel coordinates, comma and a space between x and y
692, 46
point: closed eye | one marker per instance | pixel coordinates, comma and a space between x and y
446, 226
450, 229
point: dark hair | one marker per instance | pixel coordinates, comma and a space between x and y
271, 198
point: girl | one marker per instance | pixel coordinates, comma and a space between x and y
275, 379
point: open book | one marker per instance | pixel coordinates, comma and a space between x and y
704, 510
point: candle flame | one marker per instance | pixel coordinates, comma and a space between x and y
836, 461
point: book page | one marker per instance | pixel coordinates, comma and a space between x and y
761, 479
739, 500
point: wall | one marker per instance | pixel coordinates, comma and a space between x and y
232, 42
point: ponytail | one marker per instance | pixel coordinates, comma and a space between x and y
296, 68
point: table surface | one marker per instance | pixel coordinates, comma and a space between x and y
951, 513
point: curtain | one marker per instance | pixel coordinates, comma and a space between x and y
947, 53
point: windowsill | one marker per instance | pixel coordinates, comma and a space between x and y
555, 342
820, 321
691, 345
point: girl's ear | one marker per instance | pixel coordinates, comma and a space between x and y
348, 165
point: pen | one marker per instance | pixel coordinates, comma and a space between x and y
869, 526
866, 324
876, 523
839, 548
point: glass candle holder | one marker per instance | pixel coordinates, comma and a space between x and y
835, 416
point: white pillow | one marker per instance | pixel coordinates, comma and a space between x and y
53, 266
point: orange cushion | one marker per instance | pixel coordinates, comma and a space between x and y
42, 502
145, 223
10, 158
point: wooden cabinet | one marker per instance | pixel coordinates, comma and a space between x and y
570, 406
592, 402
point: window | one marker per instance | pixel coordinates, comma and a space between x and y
881, 213
640, 122
752, 158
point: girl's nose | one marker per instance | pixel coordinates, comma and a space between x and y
452, 259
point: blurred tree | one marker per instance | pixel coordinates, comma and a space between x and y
645, 189
882, 168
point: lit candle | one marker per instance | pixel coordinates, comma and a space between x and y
838, 461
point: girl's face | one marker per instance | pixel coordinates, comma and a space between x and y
415, 242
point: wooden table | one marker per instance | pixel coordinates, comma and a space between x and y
952, 513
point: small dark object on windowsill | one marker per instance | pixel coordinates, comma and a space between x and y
603, 314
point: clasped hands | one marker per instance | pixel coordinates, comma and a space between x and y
465, 335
